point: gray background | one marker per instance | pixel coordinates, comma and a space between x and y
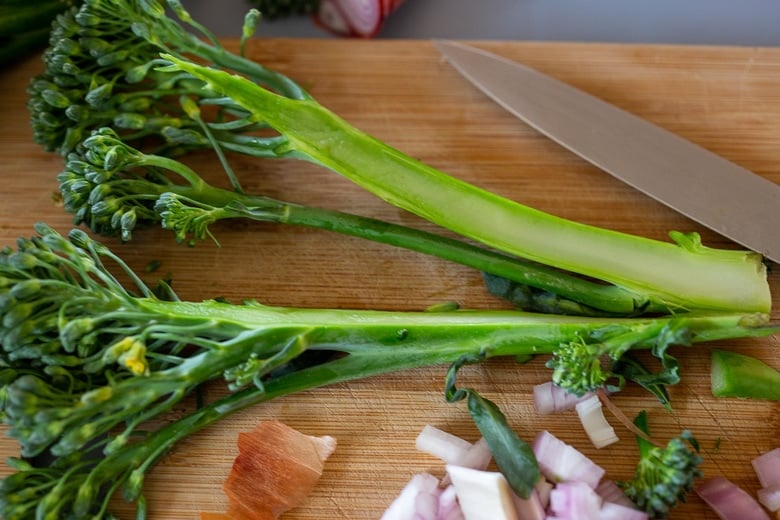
707, 22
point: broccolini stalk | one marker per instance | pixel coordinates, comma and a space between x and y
685, 274
113, 188
664, 476
88, 360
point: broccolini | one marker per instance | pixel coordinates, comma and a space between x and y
86, 361
664, 476
104, 61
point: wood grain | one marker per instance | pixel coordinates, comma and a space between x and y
725, 99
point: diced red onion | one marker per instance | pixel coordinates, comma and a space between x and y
448, 447
530, 508
560, 462
613, 511
418, 500
543, 488
482, 494
591, 415
551, 398
609, 491
449, 509
729, 501
767, 467
770, 497
576, 501
361, 18
478, 456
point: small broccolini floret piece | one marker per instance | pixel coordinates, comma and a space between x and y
87, 361
664, 475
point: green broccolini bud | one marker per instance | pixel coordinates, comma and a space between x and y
106, 52
664, 476
589, 362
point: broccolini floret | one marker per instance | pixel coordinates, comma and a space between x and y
664, 475
87, 360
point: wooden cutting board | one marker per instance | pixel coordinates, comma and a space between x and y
725, 99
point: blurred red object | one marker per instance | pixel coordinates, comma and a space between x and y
355, 18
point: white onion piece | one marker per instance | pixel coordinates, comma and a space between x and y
729, 501
767, 467
609, 491
575, 500
613, 511
591, 416
560, 462
551, 398
448, 447
482, 494
419, 499
770, 497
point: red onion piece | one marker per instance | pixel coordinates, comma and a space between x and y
591, 415
575, 500
609, 491
613, 511
770, 497
729, 501
767, 467
531, 508
443, 445
482, 494
359, 18
560, 462
449, 509
419, 500
551, 398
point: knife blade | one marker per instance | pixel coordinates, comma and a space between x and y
707, 188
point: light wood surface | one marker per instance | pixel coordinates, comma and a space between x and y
725, 99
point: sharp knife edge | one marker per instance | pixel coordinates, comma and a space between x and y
707, 188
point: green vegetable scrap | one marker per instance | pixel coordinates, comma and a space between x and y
738, 375
272, 9
104, 69
664, 476
87, 361
25, 26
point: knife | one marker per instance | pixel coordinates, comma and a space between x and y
705, 187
